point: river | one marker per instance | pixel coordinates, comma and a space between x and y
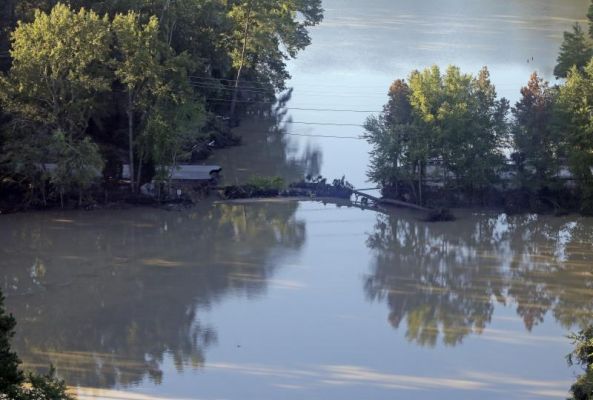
287, 300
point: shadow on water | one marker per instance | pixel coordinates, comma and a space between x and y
107, 297
443, 281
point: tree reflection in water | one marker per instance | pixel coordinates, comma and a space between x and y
444, 280
106, 301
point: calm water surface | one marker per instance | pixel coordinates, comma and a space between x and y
298, 300
312, 301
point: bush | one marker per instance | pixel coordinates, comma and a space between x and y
255, 187
583, 356
266, 183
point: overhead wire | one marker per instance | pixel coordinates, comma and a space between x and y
297, 108
325, 136
212, 82
321, 123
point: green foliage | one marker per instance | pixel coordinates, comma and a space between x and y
13, 384
23, 159
537, 144
582, 355
576, 123
58, 70
390, 135
576, 50
257, 186
159, 98
267, 183
271, 31
10, 375
79, 68
439, 126
79, 164
170, 133
590, 18
51, 93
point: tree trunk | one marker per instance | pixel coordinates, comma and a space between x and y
140, 162
131, 140
43, 196
241, 62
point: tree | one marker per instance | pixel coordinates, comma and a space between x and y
446, 127
56, 74
79, 167
138, 69
536, 143
265, 33
158, 95
574, 113
574, 51
590, 18
489, 137
389, 134
10, 375
171, 132
53, 86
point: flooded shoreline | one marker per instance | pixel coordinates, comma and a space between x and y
304, 299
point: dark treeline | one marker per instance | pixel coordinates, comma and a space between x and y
87, 86
447, 138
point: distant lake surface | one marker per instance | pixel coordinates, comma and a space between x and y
363, 46
287, 300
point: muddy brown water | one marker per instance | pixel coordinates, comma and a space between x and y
298, 300
288, 300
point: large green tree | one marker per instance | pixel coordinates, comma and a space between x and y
53, 89
139, 69
449, 128
537, 144
575, 106
576, 50
158, 98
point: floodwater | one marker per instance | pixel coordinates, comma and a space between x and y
287, 300
363, 46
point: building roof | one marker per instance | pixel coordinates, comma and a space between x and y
185, 172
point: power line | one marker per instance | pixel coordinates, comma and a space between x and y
256, 90
321, 123
298, 108
242, 101
339, 86
325, 136
332, 110
212, 86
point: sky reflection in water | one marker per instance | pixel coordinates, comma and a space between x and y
293, 301
310, 301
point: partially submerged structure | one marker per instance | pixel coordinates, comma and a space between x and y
186, 173
188, 181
